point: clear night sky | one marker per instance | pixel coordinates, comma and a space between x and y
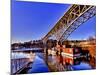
33, 20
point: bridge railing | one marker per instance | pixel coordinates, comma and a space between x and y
18, 64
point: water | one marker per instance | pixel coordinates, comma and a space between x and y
40, 55
58, 60
82, 66
16, 56
38, 65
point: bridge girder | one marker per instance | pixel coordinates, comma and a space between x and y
72, 19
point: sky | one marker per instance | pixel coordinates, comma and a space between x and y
33, 20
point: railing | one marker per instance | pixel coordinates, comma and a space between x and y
18, 64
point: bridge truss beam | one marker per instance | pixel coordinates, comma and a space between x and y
78, 21
72, 19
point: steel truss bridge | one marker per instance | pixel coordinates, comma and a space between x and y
75, 16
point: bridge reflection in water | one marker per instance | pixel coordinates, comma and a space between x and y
55, 64
43, 63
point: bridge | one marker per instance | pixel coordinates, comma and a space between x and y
75, 16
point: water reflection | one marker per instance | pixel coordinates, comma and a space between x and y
39, 64
58, 62
82, 66
52, 63
55, 63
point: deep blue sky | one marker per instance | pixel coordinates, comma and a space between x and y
33, 20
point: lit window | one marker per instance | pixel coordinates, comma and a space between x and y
70, 50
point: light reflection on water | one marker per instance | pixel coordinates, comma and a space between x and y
82, 66
58, 61
39, 65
